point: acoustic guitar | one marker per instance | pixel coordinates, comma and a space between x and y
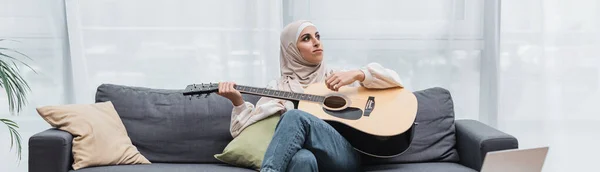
377, 122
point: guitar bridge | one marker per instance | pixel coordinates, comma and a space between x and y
369, 106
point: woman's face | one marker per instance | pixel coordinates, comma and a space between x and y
309, 45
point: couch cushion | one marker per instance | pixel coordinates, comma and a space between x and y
164, 167
434, 139
99, 137
420, 167
248, 149
166, 126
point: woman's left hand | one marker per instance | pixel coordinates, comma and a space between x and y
339, 79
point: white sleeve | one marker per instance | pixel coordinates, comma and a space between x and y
376, 76
247, 114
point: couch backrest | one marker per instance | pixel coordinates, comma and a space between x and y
166, 126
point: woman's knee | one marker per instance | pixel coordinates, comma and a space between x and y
297, 114
294, 112
305, 158
298, 117
293, 115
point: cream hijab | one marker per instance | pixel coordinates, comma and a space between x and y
296, 73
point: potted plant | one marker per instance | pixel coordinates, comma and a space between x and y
16, 90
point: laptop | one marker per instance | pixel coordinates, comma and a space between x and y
515, 160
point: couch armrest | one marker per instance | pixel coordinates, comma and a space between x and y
50, 151
475, 139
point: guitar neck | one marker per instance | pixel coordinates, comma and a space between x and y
286, 95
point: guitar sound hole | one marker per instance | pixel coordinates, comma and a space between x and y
334, 102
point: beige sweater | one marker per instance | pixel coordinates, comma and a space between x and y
242, 116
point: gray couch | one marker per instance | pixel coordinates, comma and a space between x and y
180, 134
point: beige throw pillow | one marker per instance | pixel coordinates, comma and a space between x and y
99, 135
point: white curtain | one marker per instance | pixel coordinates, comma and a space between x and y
432, 43
170, 44
37, 29
549, 79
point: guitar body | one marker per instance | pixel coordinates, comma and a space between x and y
377, 122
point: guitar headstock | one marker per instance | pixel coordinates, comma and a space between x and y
197, 89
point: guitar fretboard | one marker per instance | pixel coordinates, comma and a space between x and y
279, 94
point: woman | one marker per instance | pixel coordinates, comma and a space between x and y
301, 141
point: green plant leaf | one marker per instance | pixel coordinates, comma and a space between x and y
8, 88
15, 51
9, 123
11, 138
15, 86
16, 91
19, 141
15, 137
15, 59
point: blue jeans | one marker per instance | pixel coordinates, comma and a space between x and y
303, 142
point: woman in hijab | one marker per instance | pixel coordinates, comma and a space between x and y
303, 142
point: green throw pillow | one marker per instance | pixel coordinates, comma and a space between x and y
248, 149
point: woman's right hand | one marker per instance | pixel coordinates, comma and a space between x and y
226, 90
